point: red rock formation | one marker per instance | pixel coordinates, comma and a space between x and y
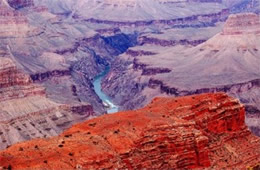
203, 131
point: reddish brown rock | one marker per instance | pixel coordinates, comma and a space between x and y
14, 83
203, 131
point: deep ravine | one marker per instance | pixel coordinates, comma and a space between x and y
107, 102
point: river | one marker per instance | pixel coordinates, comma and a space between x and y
111, 107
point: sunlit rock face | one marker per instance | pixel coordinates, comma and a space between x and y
200, 131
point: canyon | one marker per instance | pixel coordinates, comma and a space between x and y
63, 62
228, 62
201, 131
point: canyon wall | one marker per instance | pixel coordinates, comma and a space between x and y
227, 62
201, 131
190, 21
26, 111
13, 23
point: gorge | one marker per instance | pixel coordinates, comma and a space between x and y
129, 84
111, 108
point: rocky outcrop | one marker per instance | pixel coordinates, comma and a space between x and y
204, 131
27, 113
147, 71
242, 23
15, 84
10, 75
38, 77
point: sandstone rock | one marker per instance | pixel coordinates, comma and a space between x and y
204, 131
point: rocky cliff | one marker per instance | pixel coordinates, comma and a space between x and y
242, 23
26, 111
203, 131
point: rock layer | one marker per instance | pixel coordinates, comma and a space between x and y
12, 23
203, 131
27, 113
190, 21
242, 23
227, 62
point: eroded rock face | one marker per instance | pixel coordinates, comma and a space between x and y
27, 113
242, 23
13, 23
203, 131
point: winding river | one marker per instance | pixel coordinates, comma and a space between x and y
111, 107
